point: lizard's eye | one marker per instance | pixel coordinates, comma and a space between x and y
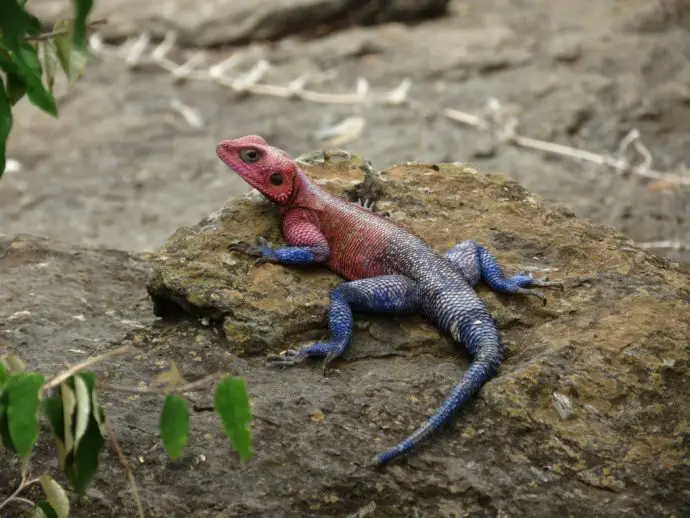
276, 179
249, 155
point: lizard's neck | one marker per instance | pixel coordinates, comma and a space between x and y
304, 194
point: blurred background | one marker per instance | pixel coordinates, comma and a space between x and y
132, 156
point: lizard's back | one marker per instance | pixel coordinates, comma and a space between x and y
364, 244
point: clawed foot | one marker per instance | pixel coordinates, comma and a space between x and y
287, 358
544, 282
261, 250
294, 356
369, 205
366, 203
526, 281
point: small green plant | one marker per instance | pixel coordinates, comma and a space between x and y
29, 62
79, 428
29, 59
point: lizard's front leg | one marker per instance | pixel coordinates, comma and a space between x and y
283, 255
387, 293
475, 262
309, 245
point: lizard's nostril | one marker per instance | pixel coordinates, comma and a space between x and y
223, 147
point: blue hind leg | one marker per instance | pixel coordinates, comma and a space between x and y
475, 262
387, 293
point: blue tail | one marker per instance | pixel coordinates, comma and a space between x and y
482, 340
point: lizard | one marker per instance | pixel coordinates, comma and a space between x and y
386, 268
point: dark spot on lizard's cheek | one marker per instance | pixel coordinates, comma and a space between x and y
276, 179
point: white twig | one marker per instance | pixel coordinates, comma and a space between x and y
251, 78
134, 54
399, 95
504, 129
342, 133
184, 70
362, 87
138, 49
219, 69
165, 46
189, 114
12, 166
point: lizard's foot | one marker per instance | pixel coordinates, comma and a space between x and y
366, 203
329, 350
527, 280
524, 283
287, 358
261, 250
369, 205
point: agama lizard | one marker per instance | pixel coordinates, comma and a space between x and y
389, 269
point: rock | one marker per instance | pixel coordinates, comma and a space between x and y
658, 17
587, 417
587, 414
56, 296
222, 22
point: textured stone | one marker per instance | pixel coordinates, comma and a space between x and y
588, 408
587, 417
239, 21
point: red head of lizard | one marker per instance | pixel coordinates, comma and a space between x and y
268, 169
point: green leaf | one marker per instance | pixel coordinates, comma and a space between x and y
50, 62
5, 439
15, 22
5, 125
174, 425
28, 67
44, 510
232, 404
72, 59
69, 405
22, 409
54, 412
82, 9
63, 43
3, 375
81, 465
98, 413
13, 363
81, 390
16, 89
56, 495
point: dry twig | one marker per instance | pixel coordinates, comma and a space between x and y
504, 129
134, 54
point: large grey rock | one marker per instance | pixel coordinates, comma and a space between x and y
588, 416
215, 22
589, 402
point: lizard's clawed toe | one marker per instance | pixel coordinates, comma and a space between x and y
245, 248
286, 358
261, 250
545, 283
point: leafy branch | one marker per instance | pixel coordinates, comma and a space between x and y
69, 402
29, 59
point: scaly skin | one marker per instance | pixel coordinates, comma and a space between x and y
389, 269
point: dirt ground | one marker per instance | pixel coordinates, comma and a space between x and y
120, 168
